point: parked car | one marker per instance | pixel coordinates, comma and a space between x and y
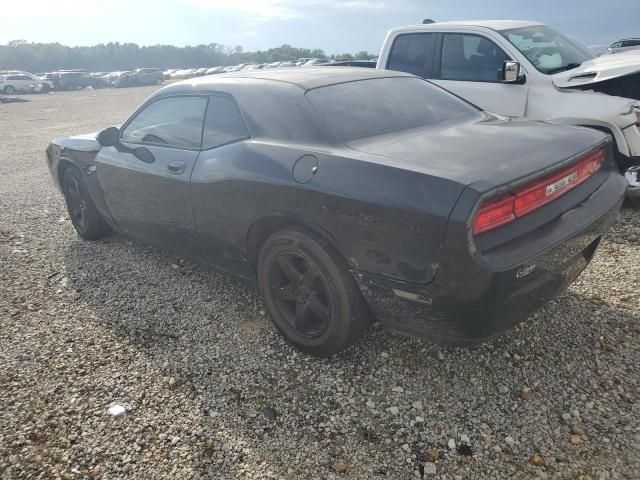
168, 73
352, 63
181, 74
332, 189
215, 70
526, 69
24, 82
624, 45
77, 80
315, 62
139, 77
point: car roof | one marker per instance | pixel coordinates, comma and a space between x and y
306, 78
490, 24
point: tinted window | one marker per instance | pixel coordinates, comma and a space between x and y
223, 122
174, 121
471, 58
375, 107
412, 53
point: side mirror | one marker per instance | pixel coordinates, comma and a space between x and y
511, 72
109, 137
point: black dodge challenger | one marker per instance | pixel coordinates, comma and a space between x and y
349, 194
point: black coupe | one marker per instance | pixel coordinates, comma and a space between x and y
348, 194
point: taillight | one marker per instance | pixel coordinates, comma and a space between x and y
535, 195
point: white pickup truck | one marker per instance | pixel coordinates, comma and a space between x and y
526, 69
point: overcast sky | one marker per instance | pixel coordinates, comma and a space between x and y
335, 26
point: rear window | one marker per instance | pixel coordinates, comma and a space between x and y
374, 107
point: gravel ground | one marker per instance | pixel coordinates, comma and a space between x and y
210, 390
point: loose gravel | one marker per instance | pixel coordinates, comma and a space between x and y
120, 360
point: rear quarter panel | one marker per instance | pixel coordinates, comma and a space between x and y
383, 220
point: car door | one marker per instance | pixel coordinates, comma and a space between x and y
219, 200
470, 65
149, 195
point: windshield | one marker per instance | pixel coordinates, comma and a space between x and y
368, 108
549, 51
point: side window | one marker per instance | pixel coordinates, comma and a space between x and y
171, 122
471, 58
223, 122
413, 53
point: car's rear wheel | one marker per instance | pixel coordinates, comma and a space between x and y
82, 211
309, 293
9, 90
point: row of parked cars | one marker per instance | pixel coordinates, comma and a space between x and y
16, 81
181, 74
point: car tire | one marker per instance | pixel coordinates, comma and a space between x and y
309, 293
9, 90
82, 211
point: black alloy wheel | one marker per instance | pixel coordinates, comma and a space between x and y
76, 205
300, 292
83, 213
309, 292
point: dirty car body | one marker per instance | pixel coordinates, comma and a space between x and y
394, 185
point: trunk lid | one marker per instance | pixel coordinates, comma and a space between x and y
492, 151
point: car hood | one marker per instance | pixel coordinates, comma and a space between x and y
493, 151
81, 143
599, 69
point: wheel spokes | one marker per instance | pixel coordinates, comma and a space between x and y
303, 319
319, 309
289, 269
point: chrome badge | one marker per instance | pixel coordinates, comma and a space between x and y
524, 271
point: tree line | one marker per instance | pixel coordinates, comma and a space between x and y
46, 57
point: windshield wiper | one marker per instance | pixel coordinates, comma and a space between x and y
564, 68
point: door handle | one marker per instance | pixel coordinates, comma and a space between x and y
176, 167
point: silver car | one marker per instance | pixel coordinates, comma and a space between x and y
624, 45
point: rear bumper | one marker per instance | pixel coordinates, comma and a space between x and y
469, 302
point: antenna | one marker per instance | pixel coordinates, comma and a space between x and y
428, 21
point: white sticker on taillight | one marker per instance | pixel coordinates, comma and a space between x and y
562, 183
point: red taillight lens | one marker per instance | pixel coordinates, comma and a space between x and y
494, 214
531, 197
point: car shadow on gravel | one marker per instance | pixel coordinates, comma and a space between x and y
267, 410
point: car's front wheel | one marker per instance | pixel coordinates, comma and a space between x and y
82, 211
309, 293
